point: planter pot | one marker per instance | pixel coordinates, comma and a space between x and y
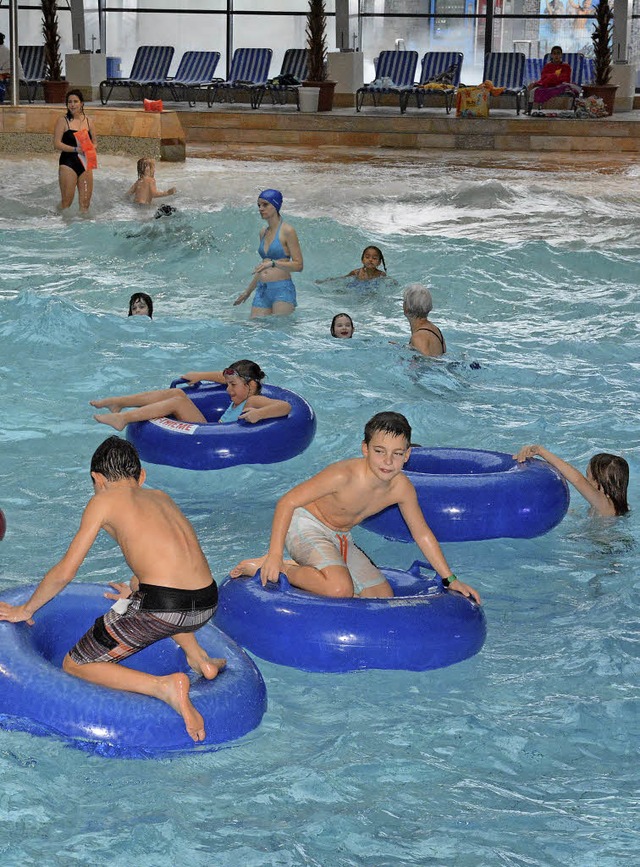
55, 91
607, 92
309, 97
325, 99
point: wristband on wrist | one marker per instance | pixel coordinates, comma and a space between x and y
447, 581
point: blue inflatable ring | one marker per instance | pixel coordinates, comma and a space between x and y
213, 446
38, 697
468, 494
422, 627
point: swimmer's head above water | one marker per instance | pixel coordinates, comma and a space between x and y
246, 370
116, 459
342, 326
273, 197
141, 304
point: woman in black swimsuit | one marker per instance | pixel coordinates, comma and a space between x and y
425, 336
72, 173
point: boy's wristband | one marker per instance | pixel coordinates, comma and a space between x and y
449, 580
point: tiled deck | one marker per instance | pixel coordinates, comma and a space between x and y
234, 128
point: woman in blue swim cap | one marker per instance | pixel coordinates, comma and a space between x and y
281, 255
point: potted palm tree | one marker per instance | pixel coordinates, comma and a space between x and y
54, 87
601, 39
317, 48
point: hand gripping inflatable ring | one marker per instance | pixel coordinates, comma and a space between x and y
469, 494
36, 696
422, 627
214, 446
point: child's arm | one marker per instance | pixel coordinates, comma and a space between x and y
596, 498
427, 542
63, 572
259, 407
158, 194
247, 292
205, 376
132, 188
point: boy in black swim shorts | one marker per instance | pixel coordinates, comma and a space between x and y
172, 592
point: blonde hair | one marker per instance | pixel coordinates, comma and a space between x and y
144, 163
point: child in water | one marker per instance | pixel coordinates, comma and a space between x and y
144, 190
141, 304
371, 259
604, 486
243, 380
342, 325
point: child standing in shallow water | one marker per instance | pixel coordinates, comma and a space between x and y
604, 486
144, 190
372, 258
243, 380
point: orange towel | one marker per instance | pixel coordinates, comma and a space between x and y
88, 158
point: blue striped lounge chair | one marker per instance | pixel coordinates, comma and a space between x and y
506, 69
395, 72
196, 71
436, 64
249, 72
588, 70
533, 69
295, 64
579, 70
33, 66
149, 71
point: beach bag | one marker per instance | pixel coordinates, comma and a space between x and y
153, 105
88, 157
472, 102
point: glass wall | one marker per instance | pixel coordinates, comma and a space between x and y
531, 26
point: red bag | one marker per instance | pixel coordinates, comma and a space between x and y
153, 105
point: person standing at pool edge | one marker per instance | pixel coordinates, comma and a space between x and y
174, 593
281, 256
315, 520
73, 172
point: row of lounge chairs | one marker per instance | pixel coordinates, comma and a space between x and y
248, 74
441, 74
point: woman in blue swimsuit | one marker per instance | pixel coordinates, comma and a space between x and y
281, 256
72, 173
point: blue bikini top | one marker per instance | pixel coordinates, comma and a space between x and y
276, 250
232, 413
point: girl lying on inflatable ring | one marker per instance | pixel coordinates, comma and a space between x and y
243, 380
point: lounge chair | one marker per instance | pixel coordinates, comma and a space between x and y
196, 71
442, 70
249, 72
33, 67
533, 69
395, 72
579, 71
150, 70
506, 69
295, 65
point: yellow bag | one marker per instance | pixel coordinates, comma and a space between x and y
472, 102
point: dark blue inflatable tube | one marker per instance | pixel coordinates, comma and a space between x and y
422, 627
468, 494
213, 446
38, 697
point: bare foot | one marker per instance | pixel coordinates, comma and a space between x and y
247, 568
174, 690
206, 666
113, 419
105, 403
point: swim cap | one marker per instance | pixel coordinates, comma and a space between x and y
274, 197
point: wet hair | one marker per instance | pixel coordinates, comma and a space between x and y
334, 320
141, 296
378, 251
250, 372
388, 422
417, 301
611, 474
74, 92
142, 164
116, 459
